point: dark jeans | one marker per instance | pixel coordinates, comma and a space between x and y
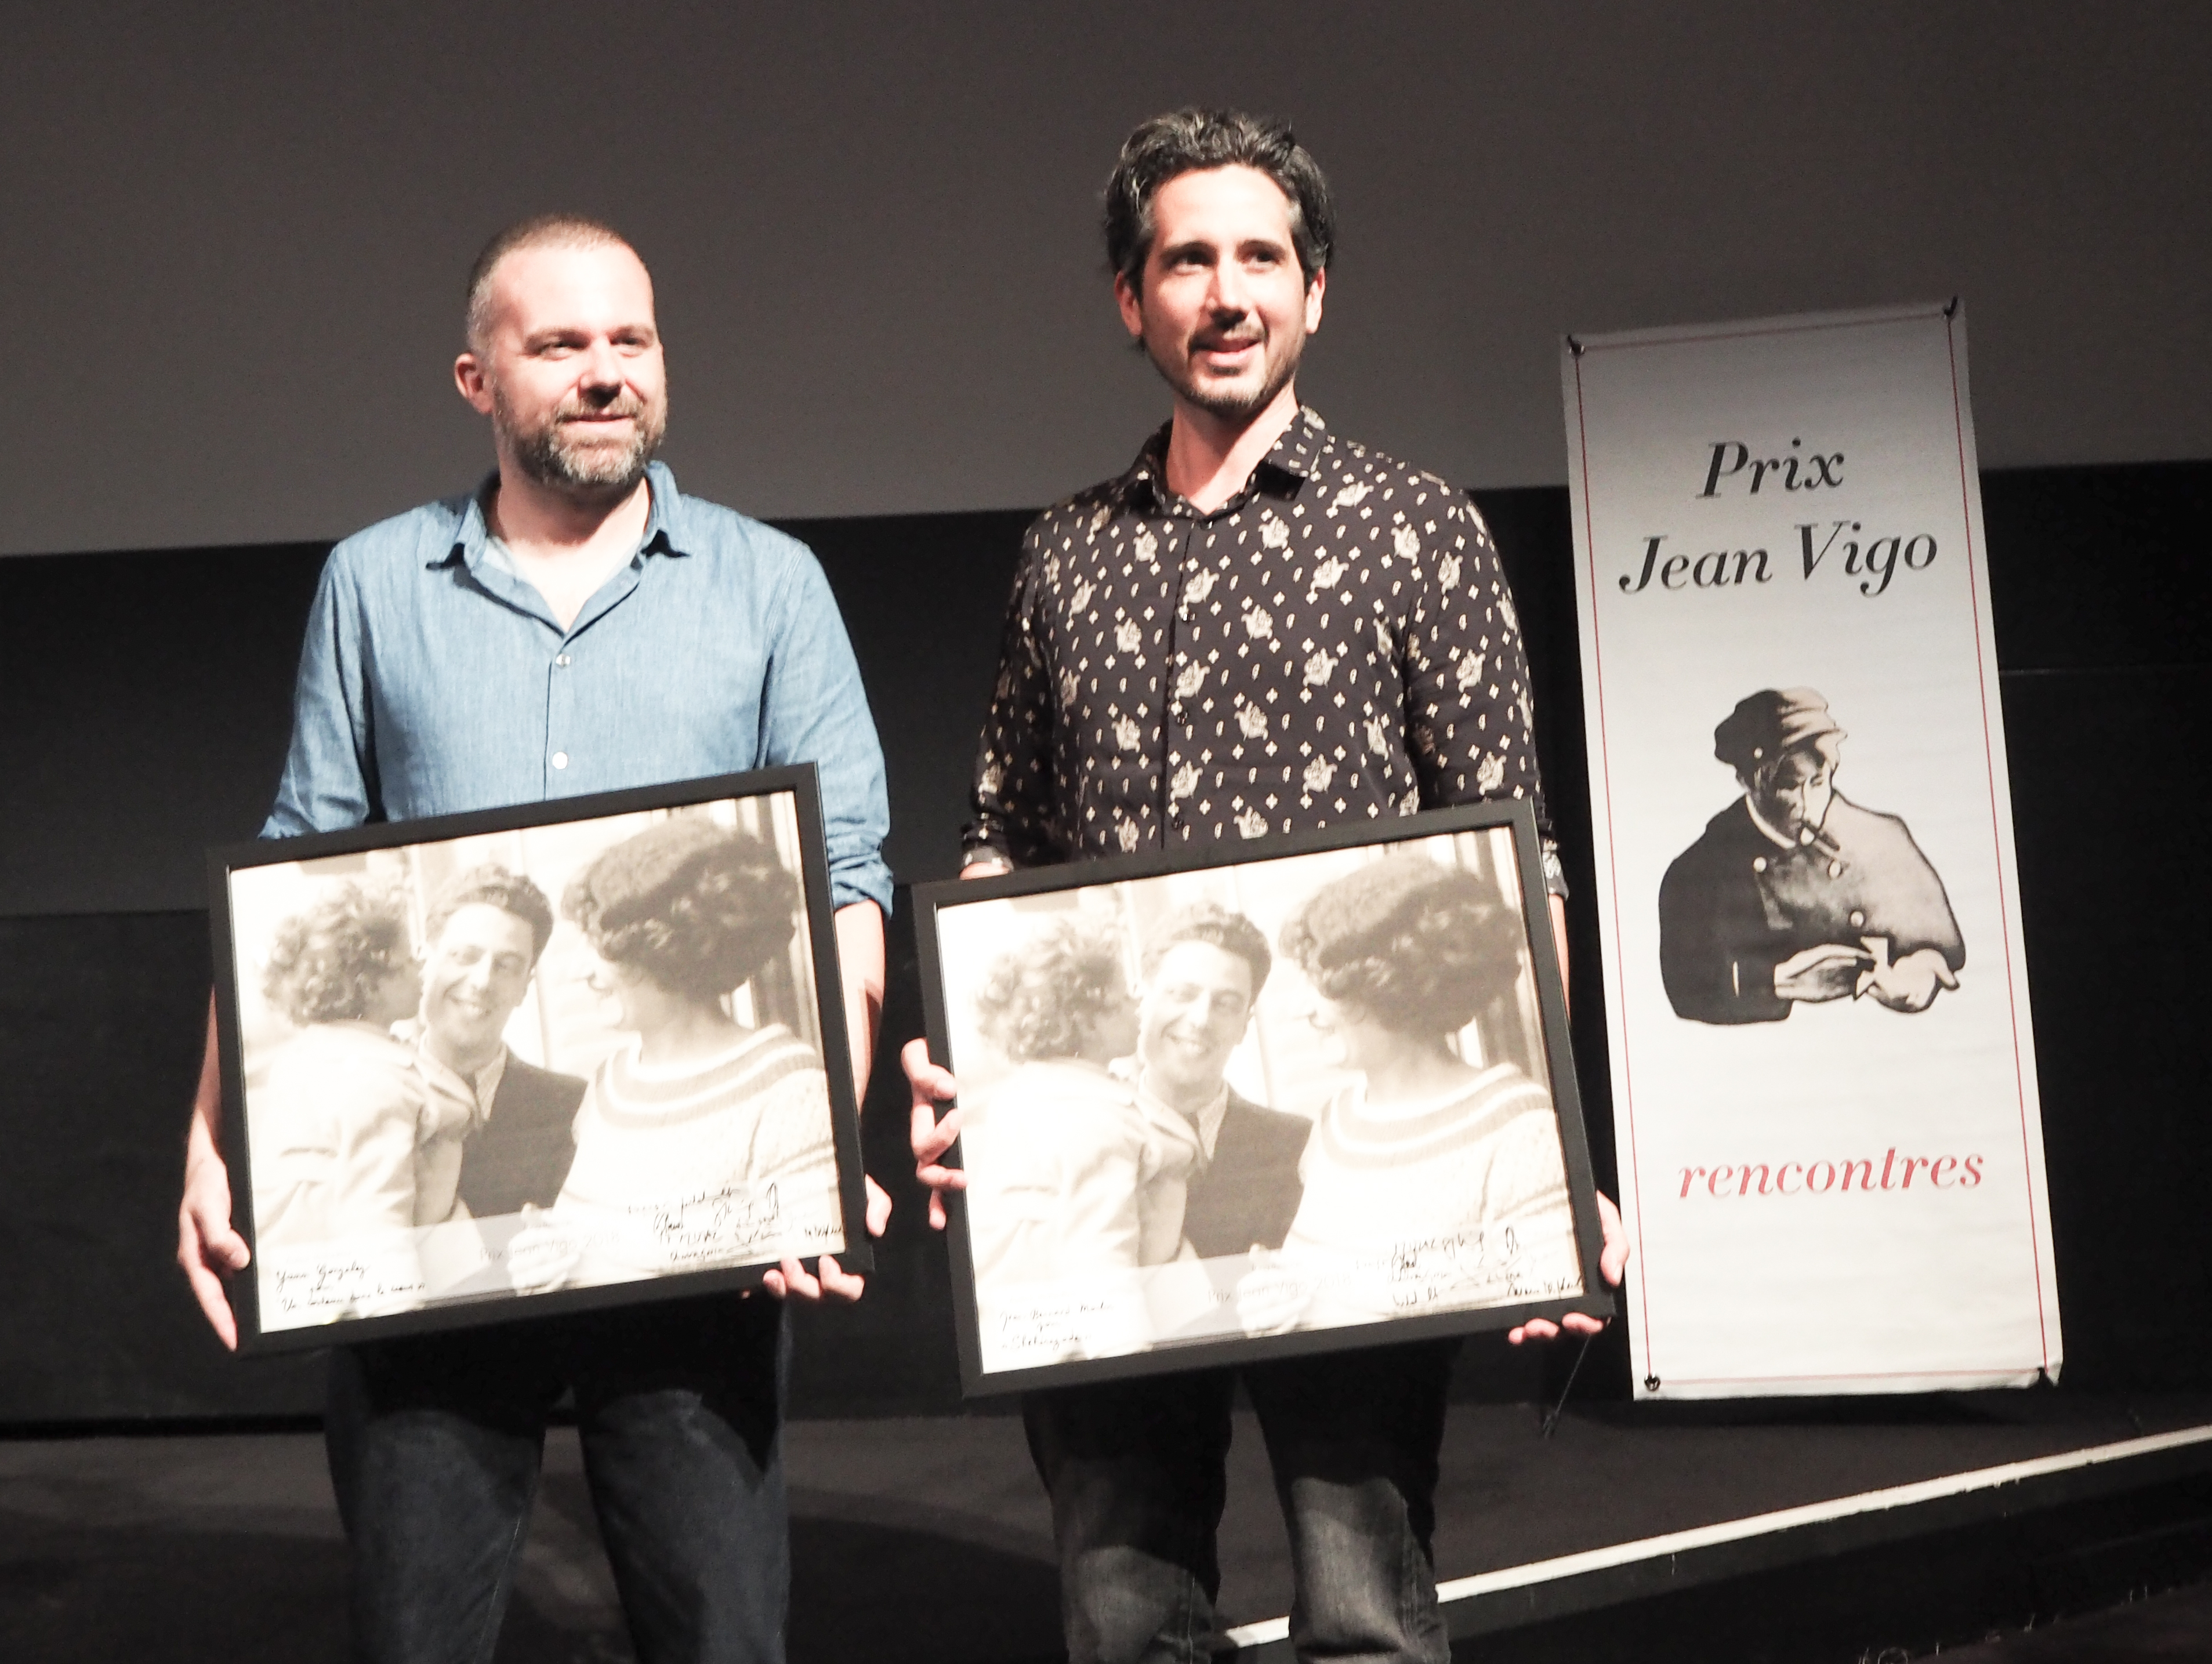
1136, 1473
435, 1443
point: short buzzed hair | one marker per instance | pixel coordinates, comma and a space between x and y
539, 230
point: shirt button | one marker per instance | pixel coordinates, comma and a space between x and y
1835, 869
1759, 863
1805, 834
560, 759
1857, 919
561, 659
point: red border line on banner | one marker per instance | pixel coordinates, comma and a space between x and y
1996, 838
1613, 864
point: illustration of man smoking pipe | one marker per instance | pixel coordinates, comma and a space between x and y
1795, 893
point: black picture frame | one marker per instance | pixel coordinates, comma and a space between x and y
1414, 1268
314, 1112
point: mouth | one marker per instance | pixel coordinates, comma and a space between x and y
579, 415
1225, 350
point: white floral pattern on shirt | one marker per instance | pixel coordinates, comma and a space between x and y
1336, 642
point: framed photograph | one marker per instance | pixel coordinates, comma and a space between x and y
1250, 1101
571, 1055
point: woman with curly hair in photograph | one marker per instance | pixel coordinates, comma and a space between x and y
347, 1140
1445, 1171
703, 1141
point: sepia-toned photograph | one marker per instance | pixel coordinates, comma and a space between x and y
528, 1061
1258, 1106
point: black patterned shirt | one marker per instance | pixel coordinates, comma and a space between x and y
1335, 642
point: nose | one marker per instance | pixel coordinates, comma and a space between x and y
1230, 294
603, 366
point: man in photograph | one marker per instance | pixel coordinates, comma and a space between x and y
574, 625
486, 929
1203, 970
1259, 628
1794, 894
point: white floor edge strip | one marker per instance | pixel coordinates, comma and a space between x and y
1786, 1519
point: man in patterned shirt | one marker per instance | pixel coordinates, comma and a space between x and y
1259, 628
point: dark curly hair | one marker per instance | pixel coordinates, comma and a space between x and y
492, 885
1188, 141
325, 964
1416, 947
1039, 999
697, 908
1217, 926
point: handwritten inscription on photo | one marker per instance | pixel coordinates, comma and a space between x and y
1273, 1102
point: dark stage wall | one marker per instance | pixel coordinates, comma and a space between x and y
873, 232
146, 704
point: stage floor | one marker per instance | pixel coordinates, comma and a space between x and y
928, 1539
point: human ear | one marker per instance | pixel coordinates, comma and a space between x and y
472, 377
1131, 300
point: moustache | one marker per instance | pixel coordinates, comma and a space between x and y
577, 411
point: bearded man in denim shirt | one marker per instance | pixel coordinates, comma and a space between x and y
575, 625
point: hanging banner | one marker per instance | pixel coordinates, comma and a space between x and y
1823, 1068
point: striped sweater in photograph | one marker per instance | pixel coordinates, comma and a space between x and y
1436, 1206
724, 1161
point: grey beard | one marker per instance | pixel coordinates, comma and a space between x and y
598, 473
595, 475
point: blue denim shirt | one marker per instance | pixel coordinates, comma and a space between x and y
433, 682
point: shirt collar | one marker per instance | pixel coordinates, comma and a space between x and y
1206, 1123
1759, 821
478, 1090
666, 526
1291, 460
1819, 842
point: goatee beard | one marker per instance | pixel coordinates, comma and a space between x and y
1229, 406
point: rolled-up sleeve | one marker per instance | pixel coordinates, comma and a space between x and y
330, 773
814, 709
1013, 791
1471, 714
